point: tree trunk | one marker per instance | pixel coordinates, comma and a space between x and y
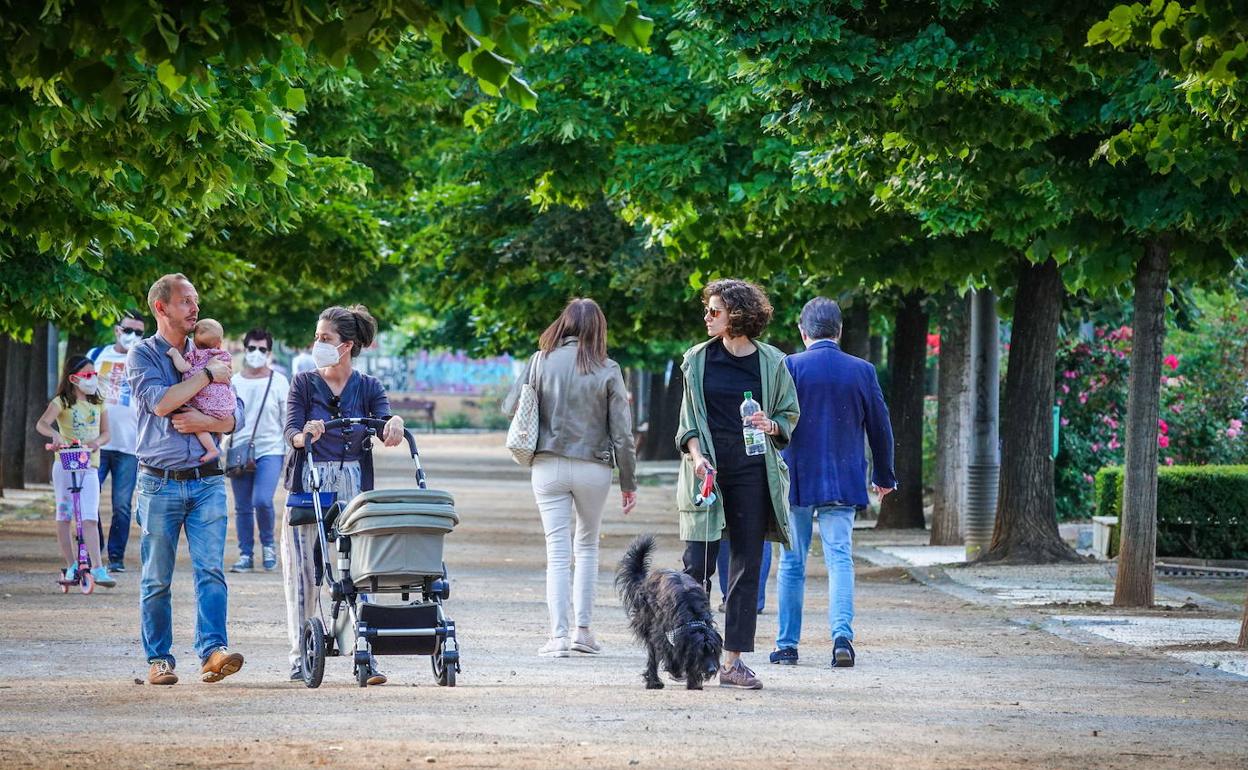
1026, 525
953, 422
1134, 587
664, 404
13, 436
4, 360
1243, 627
38, 465
904, 508
875, 350
856, 329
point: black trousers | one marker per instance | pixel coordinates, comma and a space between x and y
747, 510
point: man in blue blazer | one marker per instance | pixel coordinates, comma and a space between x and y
841, 406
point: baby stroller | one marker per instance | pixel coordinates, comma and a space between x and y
386, 541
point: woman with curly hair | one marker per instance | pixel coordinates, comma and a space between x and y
752, 491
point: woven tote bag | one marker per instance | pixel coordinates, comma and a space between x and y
522, 434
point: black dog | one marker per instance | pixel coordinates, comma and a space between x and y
671, 614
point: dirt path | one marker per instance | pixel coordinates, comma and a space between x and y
941, 683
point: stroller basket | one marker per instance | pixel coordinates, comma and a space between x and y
382, 618
396, 534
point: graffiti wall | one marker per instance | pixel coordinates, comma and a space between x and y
438, 372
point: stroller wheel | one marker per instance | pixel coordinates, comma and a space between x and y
443, 670
313, 663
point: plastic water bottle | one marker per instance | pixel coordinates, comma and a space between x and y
755, 439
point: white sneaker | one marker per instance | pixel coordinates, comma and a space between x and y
556, 647
586, 643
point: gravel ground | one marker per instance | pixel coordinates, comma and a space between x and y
941, 683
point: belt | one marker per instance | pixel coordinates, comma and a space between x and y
188, 474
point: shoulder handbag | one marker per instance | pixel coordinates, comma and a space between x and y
522, 434
241, 460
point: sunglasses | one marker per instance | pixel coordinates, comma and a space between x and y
128, 330
254, 348
713, 312
84, 376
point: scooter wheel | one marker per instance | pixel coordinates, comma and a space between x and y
88, 583
64, 588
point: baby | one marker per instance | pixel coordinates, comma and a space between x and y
217, 399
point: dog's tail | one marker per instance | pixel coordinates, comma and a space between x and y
632, 569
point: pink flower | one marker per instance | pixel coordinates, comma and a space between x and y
1065, 422
1161, 424
1237, 424
1065, 388
1113, 442
1096, 447
1083, 398
1088, 478
1232, 433
1163, 441
1176, 408
1171, 361
1169, 461
1070, 375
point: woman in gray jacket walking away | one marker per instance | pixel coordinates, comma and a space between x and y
584, 429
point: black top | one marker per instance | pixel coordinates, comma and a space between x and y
724, 383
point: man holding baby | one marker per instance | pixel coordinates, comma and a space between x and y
181, 482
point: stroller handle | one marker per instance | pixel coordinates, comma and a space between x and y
376, 426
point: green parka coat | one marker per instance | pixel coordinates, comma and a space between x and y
779, 402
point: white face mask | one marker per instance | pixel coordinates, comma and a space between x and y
325, 354
129, 339
89, 386
255, 359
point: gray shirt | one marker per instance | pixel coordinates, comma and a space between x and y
151, 374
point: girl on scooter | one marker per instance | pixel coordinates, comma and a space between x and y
76, 414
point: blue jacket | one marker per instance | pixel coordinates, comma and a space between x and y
841, 405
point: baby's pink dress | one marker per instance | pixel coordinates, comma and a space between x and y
217, 399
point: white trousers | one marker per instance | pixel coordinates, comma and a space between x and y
88, 497
299, 553
570, 495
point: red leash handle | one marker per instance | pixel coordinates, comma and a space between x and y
706, 493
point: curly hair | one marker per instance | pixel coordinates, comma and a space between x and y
749, 311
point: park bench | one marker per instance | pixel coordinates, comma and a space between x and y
411, 404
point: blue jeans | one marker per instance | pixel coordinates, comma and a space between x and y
253, 503
125, 469
721, 566
164, 508
836, 529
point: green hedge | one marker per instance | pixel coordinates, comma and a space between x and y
1202, 510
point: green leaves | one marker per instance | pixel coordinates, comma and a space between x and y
169, 77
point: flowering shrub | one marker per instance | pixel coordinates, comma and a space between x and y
1202, 386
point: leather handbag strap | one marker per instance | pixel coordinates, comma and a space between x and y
260, 411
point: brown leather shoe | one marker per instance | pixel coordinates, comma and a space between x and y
220, 664
161, 672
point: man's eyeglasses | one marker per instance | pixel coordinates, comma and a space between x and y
713, 312
254, 348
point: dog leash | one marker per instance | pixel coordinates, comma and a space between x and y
706, 496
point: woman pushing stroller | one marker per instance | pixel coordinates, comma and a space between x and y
333, 390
